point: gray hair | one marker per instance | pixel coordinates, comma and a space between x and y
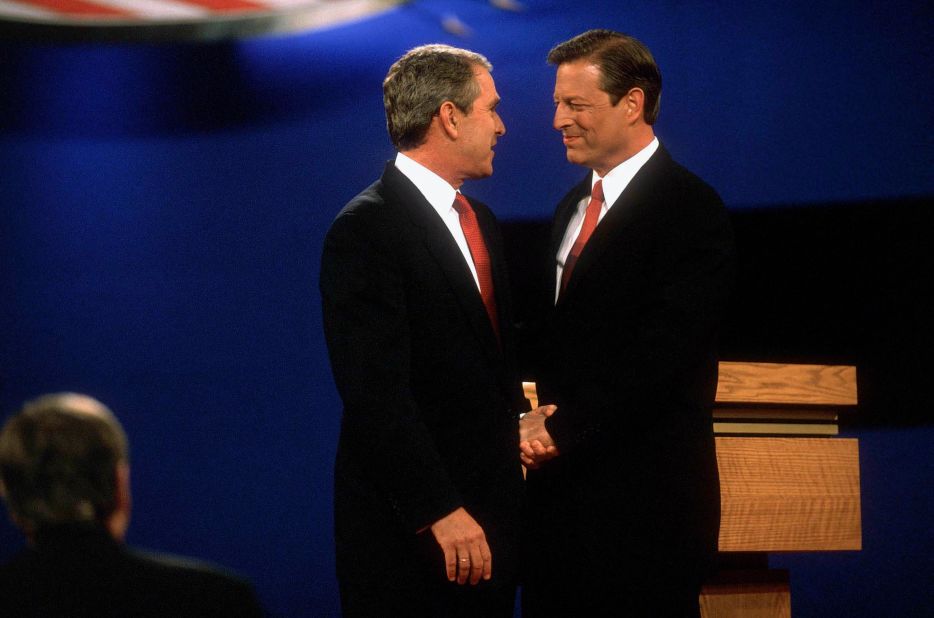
420, 81
58, 460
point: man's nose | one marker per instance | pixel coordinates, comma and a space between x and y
562, 119
500, 125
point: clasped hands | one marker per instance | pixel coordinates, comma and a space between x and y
536, 445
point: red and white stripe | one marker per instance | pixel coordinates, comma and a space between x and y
144, 10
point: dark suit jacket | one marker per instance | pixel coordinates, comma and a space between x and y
628, 356
430, 397
78, 571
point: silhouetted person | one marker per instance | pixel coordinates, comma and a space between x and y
65, 476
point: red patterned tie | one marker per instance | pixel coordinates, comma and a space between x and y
481, 258
591, 216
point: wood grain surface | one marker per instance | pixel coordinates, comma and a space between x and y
789, 494
775, 383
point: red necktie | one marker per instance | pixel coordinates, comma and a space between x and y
591, 216
481, 258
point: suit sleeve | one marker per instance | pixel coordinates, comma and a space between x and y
367, 329
659, 367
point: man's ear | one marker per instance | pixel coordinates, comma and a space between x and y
634, 101
18, 522
13, 518
448, 115
119, 520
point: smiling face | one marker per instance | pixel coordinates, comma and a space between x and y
597, 134
479, 130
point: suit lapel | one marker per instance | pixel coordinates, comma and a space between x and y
437, 239
628, 206
498, 268
565, 211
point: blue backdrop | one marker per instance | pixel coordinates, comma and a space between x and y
162, 209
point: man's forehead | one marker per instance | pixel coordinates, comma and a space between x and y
486, 83
579, 80
482, 75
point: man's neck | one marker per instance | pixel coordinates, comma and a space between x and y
639, 138
432, 160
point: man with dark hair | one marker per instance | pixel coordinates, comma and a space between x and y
623, 490
428, 486
65, 475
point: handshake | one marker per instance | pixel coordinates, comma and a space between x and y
536, 445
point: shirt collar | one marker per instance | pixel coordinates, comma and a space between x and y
618, 178
438, 192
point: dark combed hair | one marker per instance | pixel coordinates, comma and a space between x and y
624, 62
58, 462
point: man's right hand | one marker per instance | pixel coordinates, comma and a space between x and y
536, 445
467, 555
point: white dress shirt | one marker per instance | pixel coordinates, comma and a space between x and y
440, 194
614, 183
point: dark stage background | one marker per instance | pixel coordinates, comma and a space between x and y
162, 209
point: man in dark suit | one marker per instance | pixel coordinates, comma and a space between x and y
428, 485
624, 492
66, 480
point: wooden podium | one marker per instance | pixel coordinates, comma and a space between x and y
787, 484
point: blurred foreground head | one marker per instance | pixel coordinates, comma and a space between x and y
64, 460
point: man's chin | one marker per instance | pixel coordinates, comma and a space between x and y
481, 173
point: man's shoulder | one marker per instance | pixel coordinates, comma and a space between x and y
382, 199
181, 568
365, 216
121, 580
385, 213
675, 177
188, 586
368, 200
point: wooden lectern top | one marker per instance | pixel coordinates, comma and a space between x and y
786, 384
